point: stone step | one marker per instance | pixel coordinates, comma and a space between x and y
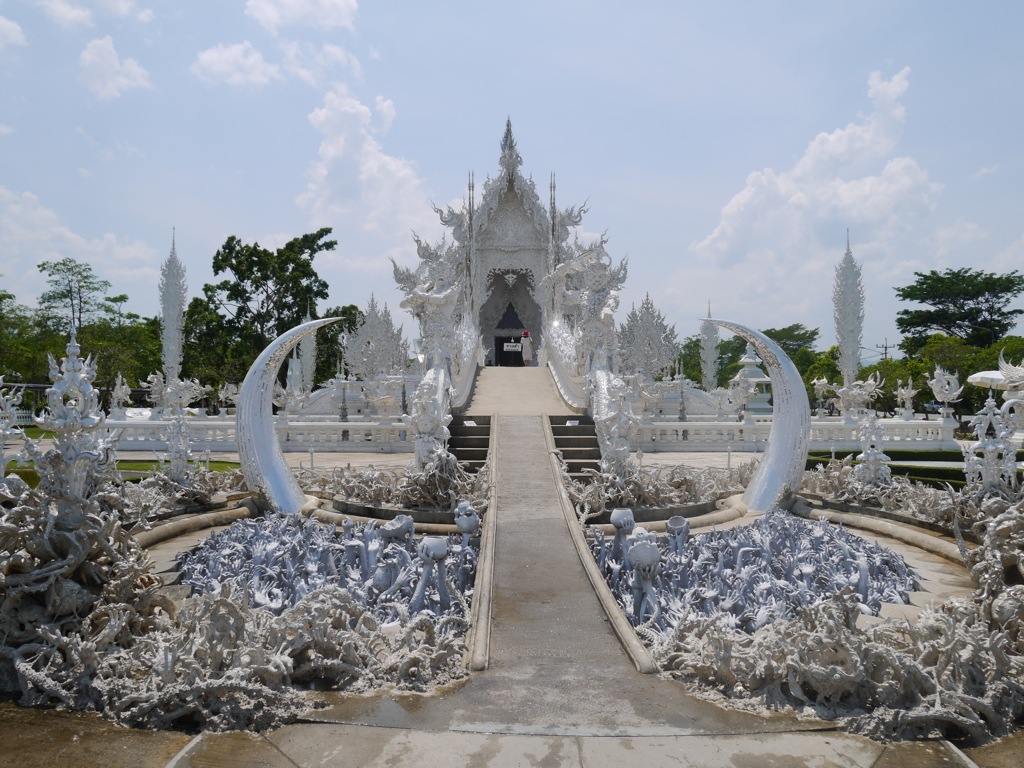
580, 454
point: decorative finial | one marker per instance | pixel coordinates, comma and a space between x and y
510, 159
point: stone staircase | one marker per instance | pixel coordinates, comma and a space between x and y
470, 440
576, 439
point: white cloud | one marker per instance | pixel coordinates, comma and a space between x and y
124, 8
847, 177
30, 233
66, 14
5, 130
312, 64
779, 238
355, 186
948, 243
10, 33
106, 74
240, 64
325, 14
116, 7
988, 170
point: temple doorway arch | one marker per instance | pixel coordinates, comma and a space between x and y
510, 309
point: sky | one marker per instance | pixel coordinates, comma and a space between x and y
725, 149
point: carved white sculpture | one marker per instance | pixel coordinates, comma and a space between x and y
858, 395
647, 344
991, 462
430, 415
781, 470
10, 399
905, 398
376, 346
173, 288
709, 354
265, 469
120, 395
821, 389
873, 469
947, 389
848, 310
307, 354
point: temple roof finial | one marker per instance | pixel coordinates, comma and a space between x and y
510, 159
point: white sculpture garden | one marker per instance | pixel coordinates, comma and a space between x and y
296, 594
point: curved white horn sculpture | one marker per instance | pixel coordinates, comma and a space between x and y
263, 465
782, 468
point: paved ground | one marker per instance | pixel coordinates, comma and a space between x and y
558, 691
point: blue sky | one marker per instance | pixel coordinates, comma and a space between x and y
725, 148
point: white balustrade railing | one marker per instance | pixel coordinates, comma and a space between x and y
560, 347
467, 359
219, 435
653, 436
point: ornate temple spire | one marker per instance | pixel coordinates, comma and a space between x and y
173, 291
510, 159
848, 311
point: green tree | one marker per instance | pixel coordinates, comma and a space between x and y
966, 303
689, 358
268, 292
75, 293
17, 333
793, 337
212, 352
825, 366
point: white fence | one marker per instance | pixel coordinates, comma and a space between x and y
826, 434
219, 435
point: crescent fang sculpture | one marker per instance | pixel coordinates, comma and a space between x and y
263, 465
782, 468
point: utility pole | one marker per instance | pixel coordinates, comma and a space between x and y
885, 348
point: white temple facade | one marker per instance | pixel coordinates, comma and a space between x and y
509, 242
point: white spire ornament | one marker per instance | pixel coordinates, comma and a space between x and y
173, 291
848, 309
709, 354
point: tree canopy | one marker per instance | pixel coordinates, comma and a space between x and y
267, 292
75, 293
966, 303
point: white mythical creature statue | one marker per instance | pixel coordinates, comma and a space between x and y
586, 287
431, 295
120, 395
227, 394
821, 389
905, 397
10, 399
859, 395
946, 388
1014, 376
430, 415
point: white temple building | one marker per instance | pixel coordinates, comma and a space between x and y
515, 252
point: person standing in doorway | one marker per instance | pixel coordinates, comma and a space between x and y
527, 343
